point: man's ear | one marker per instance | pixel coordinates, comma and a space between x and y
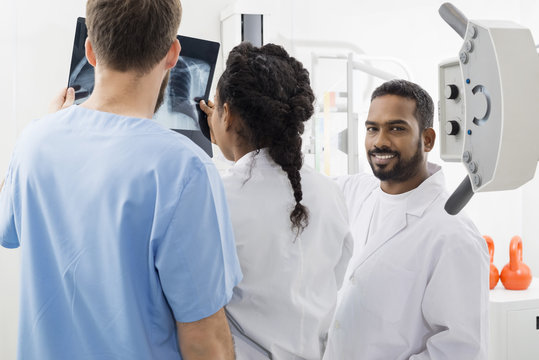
90, 55
173, 53
429, 138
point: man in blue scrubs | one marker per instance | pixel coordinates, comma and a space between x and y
127, 249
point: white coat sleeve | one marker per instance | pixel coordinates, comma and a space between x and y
455, 304
342, 265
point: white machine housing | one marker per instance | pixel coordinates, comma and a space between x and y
489, 105
235, 28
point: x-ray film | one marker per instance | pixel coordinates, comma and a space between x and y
189, 82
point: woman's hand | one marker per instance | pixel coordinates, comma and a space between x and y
208, 110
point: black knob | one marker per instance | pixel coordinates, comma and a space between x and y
452, 127
451, 92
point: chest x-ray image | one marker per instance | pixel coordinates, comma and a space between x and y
186, 86
189, 82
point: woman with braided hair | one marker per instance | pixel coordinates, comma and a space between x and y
290, 223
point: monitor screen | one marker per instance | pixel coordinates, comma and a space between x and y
189, 82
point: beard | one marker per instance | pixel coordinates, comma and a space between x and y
161, 95
403, 170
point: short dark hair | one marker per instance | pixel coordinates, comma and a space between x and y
270, 91
132, 34
424, 107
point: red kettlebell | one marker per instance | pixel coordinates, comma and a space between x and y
494, 274
516, 275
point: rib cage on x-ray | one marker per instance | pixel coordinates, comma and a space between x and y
187, 85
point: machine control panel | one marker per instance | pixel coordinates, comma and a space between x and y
451, 111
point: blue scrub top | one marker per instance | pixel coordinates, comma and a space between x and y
124, 229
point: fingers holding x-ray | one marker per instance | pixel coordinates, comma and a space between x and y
64, 99
206, 107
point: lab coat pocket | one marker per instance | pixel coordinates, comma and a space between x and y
386, 289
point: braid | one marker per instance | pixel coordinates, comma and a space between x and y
291, 161
271, 93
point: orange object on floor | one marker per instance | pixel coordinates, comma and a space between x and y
494, 274
516, 275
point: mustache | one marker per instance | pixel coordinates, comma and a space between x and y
383, 150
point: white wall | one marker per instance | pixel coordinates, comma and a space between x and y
37, 39
9, 261
7, 83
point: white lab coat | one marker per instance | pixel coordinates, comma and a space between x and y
288, 294
419, 287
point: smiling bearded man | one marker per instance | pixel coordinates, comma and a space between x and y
417, 284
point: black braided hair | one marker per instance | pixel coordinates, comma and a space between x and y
271, 93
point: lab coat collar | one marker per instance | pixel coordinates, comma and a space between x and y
262, 156
254, 159
423, 195
415, 204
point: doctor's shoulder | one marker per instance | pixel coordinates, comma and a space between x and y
178, 150
457, 231
41, 127
175, 162
37, 133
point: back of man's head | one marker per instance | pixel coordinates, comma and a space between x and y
424, 111
132, 35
